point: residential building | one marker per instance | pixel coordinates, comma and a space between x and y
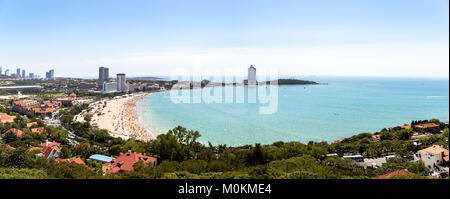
5, 118
36, 107
71, 160
7, 72
38, 130
40, 107
17, 132
434, 157
125, 162
31, 124
18, 72
50, 150
426, 127
23, 74
376, 138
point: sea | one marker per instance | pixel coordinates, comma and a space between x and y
343, 107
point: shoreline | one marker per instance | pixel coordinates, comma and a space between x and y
119, 117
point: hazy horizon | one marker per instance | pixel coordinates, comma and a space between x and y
159, 38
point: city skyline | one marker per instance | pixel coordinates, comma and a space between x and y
153, 38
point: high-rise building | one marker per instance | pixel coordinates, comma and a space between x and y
103, 75
18, 72
7, 72
52, 73
121, 83
251, 75
32, 75
23, 73
1, 71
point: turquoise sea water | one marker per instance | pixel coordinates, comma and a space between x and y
344, 107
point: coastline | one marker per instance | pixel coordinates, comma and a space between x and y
119, 117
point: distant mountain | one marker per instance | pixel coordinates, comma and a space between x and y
146, 78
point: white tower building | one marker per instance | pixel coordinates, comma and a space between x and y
252, 75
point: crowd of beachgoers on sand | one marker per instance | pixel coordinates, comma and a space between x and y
118, 115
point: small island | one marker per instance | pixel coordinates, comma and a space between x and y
290, 82
295, 82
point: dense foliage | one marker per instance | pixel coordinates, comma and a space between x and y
181, 156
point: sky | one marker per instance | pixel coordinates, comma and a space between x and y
400, 38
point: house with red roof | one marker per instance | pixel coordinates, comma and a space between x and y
34, 149
50, 144
38, 130
376, 138
5, 118
424, 127
125, 162
50, 150
72, 160
8, 147
31, 124
434, 157
17, 132
402, 172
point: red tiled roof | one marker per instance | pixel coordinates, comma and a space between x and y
376, 137
340, 140
5, 118
48, 150
50, 144
395, 173
61, 160
10, 147
74, 160
427, 125
435, 149
34, 148
406, 127
78, 161
38, 130
31, 124
126, 161
17, 132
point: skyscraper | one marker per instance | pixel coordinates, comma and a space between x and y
7, 72
252, 75
18, 72
103, 75
1, 71
52, 73
121, 83
23, 73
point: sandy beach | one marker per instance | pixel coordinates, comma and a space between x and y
119, 117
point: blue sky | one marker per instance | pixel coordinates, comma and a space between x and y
152, 37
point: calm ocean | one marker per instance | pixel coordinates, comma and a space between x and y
344, 107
